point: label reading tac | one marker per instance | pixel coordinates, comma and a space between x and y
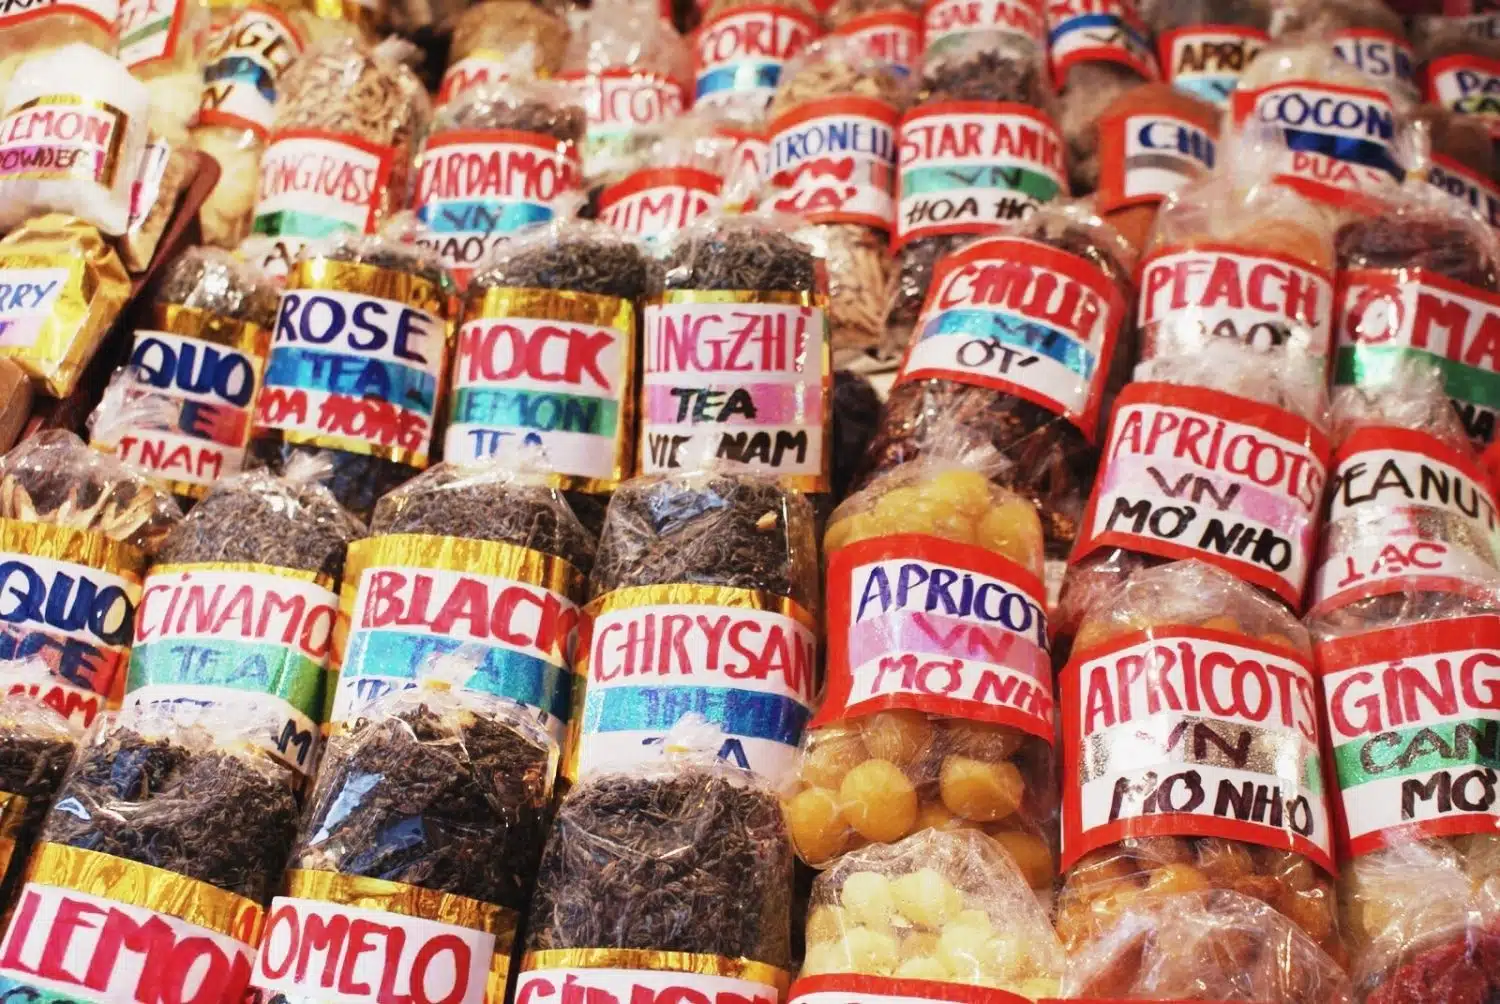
1094, 31
242, 69
1382, 56
946, 23
739, 54
1468, 85
833, 159
149, 30
1144, 158
1472, 189
27, 299
657, 201
892, 37
1206, 61
316, 184
63, 137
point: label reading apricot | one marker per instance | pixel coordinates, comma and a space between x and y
1206, 61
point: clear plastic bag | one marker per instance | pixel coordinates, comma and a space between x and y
163, 45
1366, 34
735, 76
165, 170
1454, 153
500, 40
36, 746
1204, 45
32, 31
670, 175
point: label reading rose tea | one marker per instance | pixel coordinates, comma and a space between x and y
475, 186
659, 200
316, 184
946, 23
969, 167
1185, 731
1189, 472
1386, 316
622, 101
833, 159
1381, 56
1467, 84
892, 37
243, 67
1144, 158
739, 54
1022, 318
739, 376
102, 13
555, 976
149, 31
1409, 712
63, 137
1206, 61
1472, 189
1095, 31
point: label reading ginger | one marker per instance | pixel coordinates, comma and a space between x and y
243, 67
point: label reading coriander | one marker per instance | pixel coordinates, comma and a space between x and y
739, 54
63, 137
242, 69
1206, 61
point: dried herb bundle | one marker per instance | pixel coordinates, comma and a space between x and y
532, 106
211, 279
430, 791
695, 860
573, 255
740, 252
36, 745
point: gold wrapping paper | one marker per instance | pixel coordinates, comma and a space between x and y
62, 543
12, 809
658, 961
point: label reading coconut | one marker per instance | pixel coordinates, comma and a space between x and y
832, 161
478, 69
408, 598
1194, 473
1340, 141
149, 30
63, 137
970, 167
736, 379
1144, 158
922, 624
1388, 316
657, 201
1411, 716
102, 13
621, 101
1381, 56
1261, 298
1468, 85
242, 69
1185, 731
739, 54
476, 186
946, 23
892, 37
544, 981
28, 297
746, 661
1023, 318
1473, 190
1206, 61
1098, 31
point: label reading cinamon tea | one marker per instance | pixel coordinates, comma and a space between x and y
63, 137
1410, 711
103, 13
1206, 61
833, 161
1098, 31
659, 200
1387, 316
1466, 84
970, 167
946, 23
243, 67
892, 37
1023, 318
1192, 473
1472, 189
1146, 157
1185, 731
1381, 56
149, 31
739, 54
316, 184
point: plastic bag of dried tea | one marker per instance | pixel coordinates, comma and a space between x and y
202, 345
740, 49
736, 361
497, 41
426, 824
673, 878
736, 552
929, 919
77, 529
1459, 68
498, 159
985, 114
162, 43
1204, 45
1162, 771
169, 824
893, 751
673, 174
967, 382
888, 31
357, 366
949, 23
1454, 152
1366, 34
1268, 465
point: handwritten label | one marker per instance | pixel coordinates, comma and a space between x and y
1384, 57
27, 299
739, 54
833, 159
892, 37
315, 184
481, 68
63, 137
1467, 84
841, 988
243, 68
656, 201
1206, 61
1472, 189
1094, 31
102, 13
1146, 157
619, 101
624, 986
149, 31
946, 23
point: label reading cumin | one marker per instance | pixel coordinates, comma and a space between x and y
1094, 31
149, 31
243, 67
946, 23
1469, 187
1381, 56
833, 159
63, 137
739, 54
1146, 157
659, 200
316, 184
1206, 60
892, 37
1467, 84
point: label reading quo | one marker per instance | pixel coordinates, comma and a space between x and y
969, 167
1473, 190
1381, 56
656, 201
103, 13
946, 23
243, 67
832, 161
316, 184
149, 30
1206, 61
739, 54
1094, 31
1401, 481
1468, 85
1190, 732
1194, 473
27, 299
842, 988
892, 37
480, 69
923, 624
1411, 712
1023, 318
741, 381
1146, 157
476, 186
1386, 316
63, 137
621, 101
648, 656
240, 635
1260, 298
638, 986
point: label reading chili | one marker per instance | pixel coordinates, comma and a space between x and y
832, 161
1468, 85
63, 137
656, 201
242, 69
149, 30
1144, 158
1194, 473
1023, 318
315, 184
892, 37
1206, 61
946, 23
1098, 31
1183, 731
1472, 189
739, 54
1381, 56
969, 167
1409, 712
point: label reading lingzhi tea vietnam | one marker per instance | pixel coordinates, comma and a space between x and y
1381, 56
1206, 60
946, 23
1098, 31
1468, 84
316, 184
739, 54
833, 160
1144, 158
63, 137
658, 200
242, 69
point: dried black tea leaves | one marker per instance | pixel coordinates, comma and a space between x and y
36, 745
383, 252
856, 415
535, 107
577, 256
213, 280
913, 277
1442, 244
740, 253
989, 72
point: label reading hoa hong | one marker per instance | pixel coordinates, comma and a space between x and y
242, 69
1206, 61
892, 37
1467, 84
1381, 56
739, 54
1023, 318
659, 200
1098, 31
1185, 731
1145, 157
315, 184
1189, 472
946, 23
149, 30
1469, 187
63, 137
970, 167
1410, 710
832, 161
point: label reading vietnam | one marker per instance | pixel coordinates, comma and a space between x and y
1407, 512
316, 184
1387, 316
892, 37
560, 976
946, 23
149, 30
239, 634
30, 297
1470, 188
832, 161
1020, 317
1095, 31
922, 624
1186, 731
103, 13
1410, 712
737, 376
1146, 157
1467, 84
742, 659
970, 167
659, 200
1381, 56
242, 68
63, 137
739, 54
1206, 61
1189, 472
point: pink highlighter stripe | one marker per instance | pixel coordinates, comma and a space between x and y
1253, 502
930, 634
775, 403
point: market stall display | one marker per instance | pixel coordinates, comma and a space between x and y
1458, 157
672, 175
1203, 46
496, 41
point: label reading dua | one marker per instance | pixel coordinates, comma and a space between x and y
946, 23
1184, 731
659, 200
833, 159
316, 184
1468, 85
1022, 318
1381, 56
1094, 31
739, 54
63, 137
1207, 61
922, 624
1194, 473
1412, 714
1145, 157
1474, 190
242, 68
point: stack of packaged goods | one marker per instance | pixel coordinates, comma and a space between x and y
499, 41
672, 175
1204, 45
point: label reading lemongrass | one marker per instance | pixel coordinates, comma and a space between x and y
149, 31
832, 161
1467, 84
63, 137
892, 37
1474, 190
1206, 61
657, 201
316, 184
739, 53
243, 67
1381, 56
946, 23
1098, 31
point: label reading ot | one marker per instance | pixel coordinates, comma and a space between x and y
833, 160
1184, 731
242, 69
739, 54
1206, 61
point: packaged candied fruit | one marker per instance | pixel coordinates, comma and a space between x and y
1191, 755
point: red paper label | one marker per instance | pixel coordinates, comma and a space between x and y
832, 161
946, 23
1467, 84
1145, 156
892, 37
1098, 31
749, 157
1206, 60
1382, 56
655, 201
849, 988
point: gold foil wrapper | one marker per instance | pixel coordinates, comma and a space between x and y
656, 961
251, 567
63, 543
93, 292
147, 887
12, 810
352, 11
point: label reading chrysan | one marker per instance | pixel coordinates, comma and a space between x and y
739, 54
1022, 318
1412, 712
316, 184
242, 68
1206, 61
149, 30
891, 37
63, 137
1381, 56
1095, 31
1189, 732
1146, 157
658, 200
1189, 472
969, 167
946, 23
1472, 189
1467, 84
833, 159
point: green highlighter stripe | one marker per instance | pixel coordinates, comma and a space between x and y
1358, 364
293, 223
1418, 750
943, 180
250, 667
